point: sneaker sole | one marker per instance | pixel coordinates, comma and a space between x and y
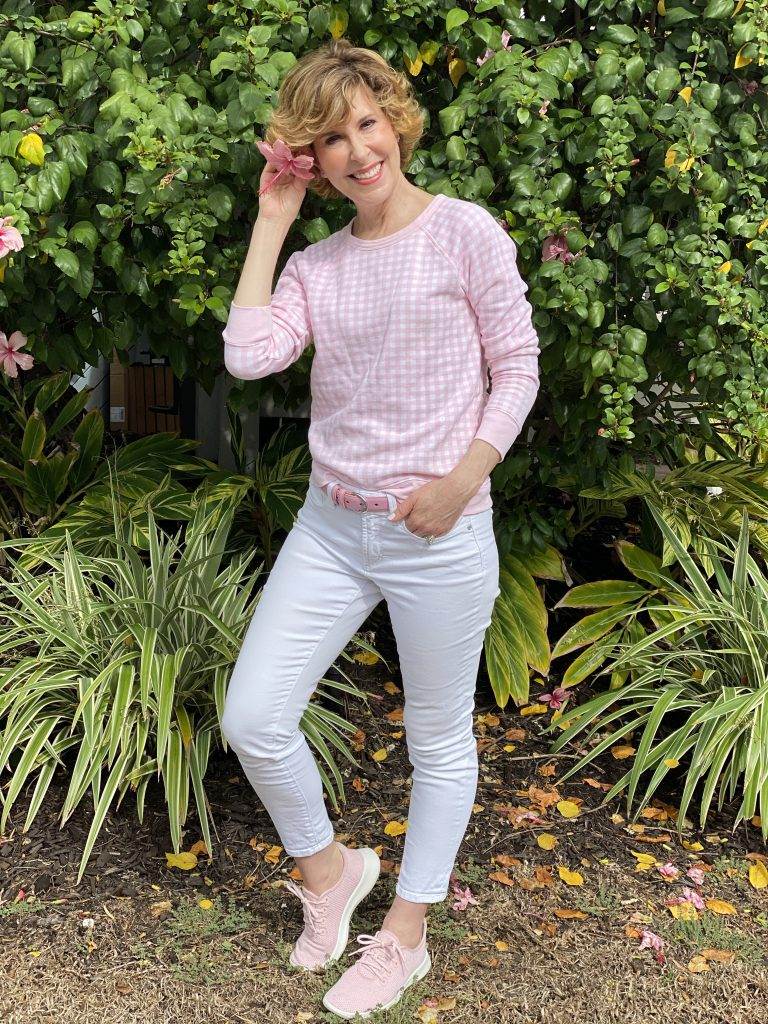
416, 975
369, 877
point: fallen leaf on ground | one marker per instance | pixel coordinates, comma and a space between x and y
395, 828
622, 750
567, 915
546, 841
182, 861
697, 964
391, 687
502, 877
568, 808
272, 856
366, 658
380, 754
758, 876
720, 906
722, 956
570, 877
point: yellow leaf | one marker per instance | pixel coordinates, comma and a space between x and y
272, 856
737, 8
568, 808
720, 906
622, 750
724, 267
692, 845
501, 945
31, 149
762, 226
570, 877
395, 828
684, 911
670, 157
456, 68
741, 62
380, 755
534, 709
476, 808
414, 67
546, 841
391, 688
183, 861
686, 93
644, 860
686, 165
427, 1014
671, 762
509, 747
697, 964
428, 51
568, 915
661, 8
205, 904
366, 657
758, 875
338, 21
2, 272
34, 952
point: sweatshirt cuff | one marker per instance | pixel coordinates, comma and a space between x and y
498, 429
247, 324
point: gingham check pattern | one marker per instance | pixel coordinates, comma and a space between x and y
405, 329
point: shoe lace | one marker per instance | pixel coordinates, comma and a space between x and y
378, 952
314, 908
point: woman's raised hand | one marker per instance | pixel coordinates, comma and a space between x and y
283, 182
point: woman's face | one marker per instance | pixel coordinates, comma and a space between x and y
365, 141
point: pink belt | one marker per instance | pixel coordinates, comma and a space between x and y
356, 502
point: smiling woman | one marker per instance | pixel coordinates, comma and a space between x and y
409, 306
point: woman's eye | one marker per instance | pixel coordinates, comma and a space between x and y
333, 137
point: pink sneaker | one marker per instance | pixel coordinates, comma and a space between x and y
326, 917
380, 976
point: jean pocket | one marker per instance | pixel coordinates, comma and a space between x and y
461, 523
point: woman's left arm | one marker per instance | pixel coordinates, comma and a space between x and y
510, 344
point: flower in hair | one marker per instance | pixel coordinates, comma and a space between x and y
280, 156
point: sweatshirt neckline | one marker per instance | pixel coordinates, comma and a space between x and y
396, 236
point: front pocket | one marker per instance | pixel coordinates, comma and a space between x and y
461, 522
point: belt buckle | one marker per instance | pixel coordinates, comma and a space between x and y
361, 498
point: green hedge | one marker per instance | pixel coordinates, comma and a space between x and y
628, 139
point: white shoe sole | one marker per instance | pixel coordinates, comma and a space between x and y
369, 877
416, 975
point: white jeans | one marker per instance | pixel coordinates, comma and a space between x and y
334, 567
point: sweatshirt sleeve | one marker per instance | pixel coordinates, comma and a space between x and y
496, 293
260, 340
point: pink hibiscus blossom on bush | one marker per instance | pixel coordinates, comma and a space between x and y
10, 237
10, 357
555, 247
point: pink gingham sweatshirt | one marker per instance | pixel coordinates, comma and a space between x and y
405, 328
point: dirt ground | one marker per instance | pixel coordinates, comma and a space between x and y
132, 942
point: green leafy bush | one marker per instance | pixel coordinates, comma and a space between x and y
622, 143
122, 661
697, 692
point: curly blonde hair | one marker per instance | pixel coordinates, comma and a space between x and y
316, 95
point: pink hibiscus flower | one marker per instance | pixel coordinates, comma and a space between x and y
556, 699
10, 238
555, 247
10, 357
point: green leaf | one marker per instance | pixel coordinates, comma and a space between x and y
454, 18
67, 262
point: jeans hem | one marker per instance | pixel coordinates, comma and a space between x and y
310, 850
421, 897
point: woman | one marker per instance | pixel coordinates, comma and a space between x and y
408, 307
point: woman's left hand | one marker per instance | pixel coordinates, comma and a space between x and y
432, 509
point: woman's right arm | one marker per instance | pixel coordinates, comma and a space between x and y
266, 332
